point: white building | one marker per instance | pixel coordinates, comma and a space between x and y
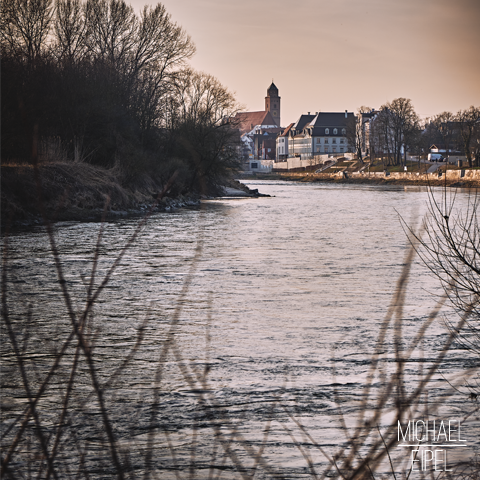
322, 133
282, 144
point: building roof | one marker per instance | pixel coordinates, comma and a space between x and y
331, 119
369, 114
302, 121
248, 120
269, 131
317, 124
287, 130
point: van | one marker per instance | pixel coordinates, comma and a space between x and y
435, 157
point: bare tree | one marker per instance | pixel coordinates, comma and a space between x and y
450, 248
469, 125
429, 135
70, 29
446, 126
380, 138
161, 50
111, 27
25, 25
160, 42
355, 133
399, 121
206, 132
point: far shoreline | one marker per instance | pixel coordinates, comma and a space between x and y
308, 177
79, 192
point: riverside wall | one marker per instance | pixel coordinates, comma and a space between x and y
451, 175
467, 178
297, 163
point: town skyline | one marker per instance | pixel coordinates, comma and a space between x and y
336, 56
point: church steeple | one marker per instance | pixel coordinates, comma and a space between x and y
272, 103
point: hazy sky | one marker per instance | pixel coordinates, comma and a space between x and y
332, 55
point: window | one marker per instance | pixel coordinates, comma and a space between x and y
335, 131
327, 131
344, 131
318, 139
254, 165
342, 140
326, 140
334, 140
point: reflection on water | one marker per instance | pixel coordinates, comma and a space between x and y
282, 312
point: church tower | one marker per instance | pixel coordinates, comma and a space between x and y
272, 103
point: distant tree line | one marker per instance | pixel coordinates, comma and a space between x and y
92, 80
396, 129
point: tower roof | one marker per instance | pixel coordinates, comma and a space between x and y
272, 90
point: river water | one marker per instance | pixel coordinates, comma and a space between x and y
271, 308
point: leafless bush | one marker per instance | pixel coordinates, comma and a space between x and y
450, 248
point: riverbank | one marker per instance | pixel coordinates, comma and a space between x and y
82, 192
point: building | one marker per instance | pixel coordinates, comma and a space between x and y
264, 141
259, 130
282, 144
248, 122
366, 122
251, 125
322, 133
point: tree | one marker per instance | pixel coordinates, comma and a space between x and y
70, 30
446, 127
429, 135
469, 126
102, 75
395, 124
380, 138
450, 248
116, 83
355, 132
24, 27
161, 51
205, 132
110, 30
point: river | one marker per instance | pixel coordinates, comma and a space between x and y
271, 308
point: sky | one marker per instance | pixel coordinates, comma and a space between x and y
336, 55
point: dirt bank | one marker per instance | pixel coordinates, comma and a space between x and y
73, 191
